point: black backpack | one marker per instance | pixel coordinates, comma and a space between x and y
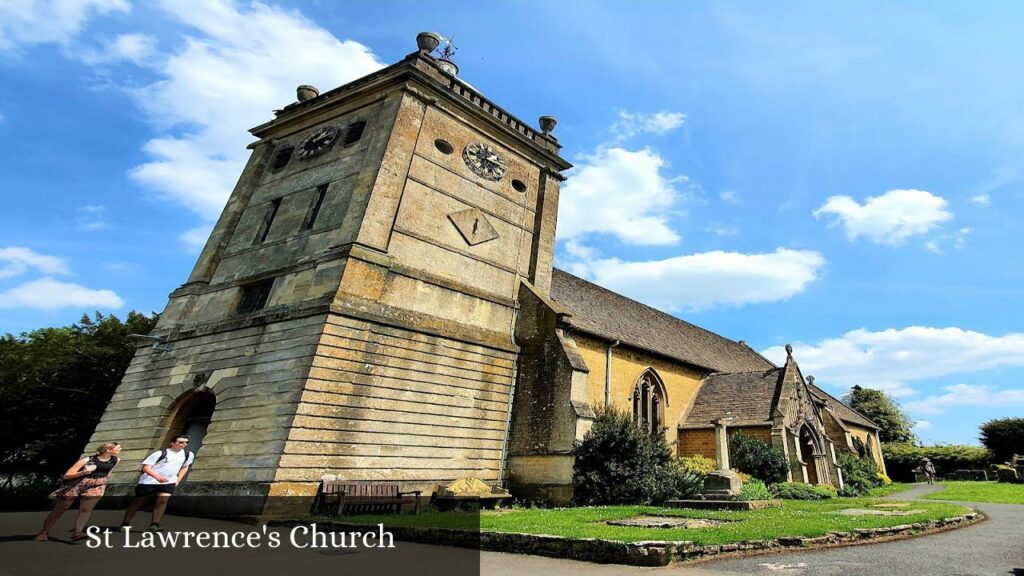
163, 457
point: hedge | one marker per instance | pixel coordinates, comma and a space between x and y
901, 459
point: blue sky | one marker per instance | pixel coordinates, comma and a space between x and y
844, 177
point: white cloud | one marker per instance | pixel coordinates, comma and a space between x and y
701, 281
922, 425
888, 219
729, 197
619, 192
238, 66
49, 294
26, 22
91, 218
983, 200
630, 124
136, 48
960, 395
16, 260
195, 238
892, 359
721, 230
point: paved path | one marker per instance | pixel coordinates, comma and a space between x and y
992, 547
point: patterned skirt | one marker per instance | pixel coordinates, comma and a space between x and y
88, 487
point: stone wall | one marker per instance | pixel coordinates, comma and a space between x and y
866, 434
385, 403
701, 442
628, 364
256, 374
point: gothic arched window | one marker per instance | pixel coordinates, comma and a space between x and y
649, 402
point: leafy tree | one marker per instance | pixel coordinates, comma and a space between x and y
55, 384
619, 463
901, 459
1004, 437
883, 410
757, 458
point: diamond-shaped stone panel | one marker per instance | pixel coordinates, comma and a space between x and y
473, 225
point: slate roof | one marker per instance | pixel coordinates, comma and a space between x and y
606, 314
747, 395
841, 410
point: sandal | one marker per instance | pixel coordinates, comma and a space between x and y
42, 537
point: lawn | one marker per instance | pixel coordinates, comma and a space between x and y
795, 518
999, 492
889, 489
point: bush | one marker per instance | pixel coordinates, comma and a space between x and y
754, 490
619, 463
1004, 437
757, 458
860, 475
884, 479
697, 465
901, 459
798, 491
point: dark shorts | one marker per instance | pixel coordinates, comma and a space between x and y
151, 489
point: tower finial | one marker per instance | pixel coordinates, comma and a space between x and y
789, 351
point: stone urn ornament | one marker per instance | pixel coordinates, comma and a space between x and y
306, 92
427, 42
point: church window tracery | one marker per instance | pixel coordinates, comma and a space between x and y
649, 402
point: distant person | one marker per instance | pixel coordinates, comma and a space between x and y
85, 480
162, 471
929, 470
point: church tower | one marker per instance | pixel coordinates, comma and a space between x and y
353, 311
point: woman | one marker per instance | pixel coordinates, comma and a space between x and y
87, 480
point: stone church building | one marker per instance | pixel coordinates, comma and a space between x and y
378, 301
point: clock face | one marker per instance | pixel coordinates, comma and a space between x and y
483, 160
317, 142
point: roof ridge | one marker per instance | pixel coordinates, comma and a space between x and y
655, 310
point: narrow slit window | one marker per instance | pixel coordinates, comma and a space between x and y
314, 209
255, 296
354, 132
268, 221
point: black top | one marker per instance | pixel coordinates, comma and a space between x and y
102, 468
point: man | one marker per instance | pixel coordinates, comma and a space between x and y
162, 471
929, 470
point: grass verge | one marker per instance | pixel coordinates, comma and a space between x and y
796, 518
889, 489
998, 492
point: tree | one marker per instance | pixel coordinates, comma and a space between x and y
54, 386
1004, 437
884, 411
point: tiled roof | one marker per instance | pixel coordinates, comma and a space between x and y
746, 397
841, 410
609, 315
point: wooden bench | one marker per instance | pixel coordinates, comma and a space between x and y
349, 497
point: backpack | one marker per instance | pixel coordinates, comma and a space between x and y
163, 457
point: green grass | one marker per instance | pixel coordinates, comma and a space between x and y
889, 489
795, 518
999, 492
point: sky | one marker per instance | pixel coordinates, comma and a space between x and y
845, 177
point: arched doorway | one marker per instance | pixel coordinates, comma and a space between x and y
812, 453
191, 418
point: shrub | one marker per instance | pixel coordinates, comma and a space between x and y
901, 459
697, 465
757, 458
799, 491
1004, 437
884, 479
754, 490
859, 474
619, 463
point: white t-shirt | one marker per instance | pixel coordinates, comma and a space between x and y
168, 468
